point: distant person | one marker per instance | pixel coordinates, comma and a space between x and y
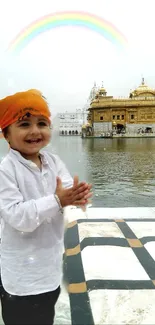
35, 186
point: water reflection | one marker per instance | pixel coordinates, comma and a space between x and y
121, 170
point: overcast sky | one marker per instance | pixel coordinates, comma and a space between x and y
64, 63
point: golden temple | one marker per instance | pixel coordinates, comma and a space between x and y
109, 116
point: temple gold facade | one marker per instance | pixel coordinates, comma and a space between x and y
111, 116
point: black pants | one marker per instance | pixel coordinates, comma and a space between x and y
29, 310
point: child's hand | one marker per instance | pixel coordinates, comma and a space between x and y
76, 195
76, 181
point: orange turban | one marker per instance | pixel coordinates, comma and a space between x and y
13, 107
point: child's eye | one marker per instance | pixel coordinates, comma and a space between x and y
43, 123
24, 124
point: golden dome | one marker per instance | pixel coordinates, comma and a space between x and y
102, 91
142, 89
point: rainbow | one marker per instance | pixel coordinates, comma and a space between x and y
69, 18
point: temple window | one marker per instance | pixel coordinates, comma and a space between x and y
113, 117
122, 117
101, 118
118, 117
132, 116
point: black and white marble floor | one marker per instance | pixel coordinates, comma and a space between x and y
117, 249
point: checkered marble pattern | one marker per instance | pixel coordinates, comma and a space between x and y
110, 267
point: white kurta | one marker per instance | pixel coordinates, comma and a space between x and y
32, 224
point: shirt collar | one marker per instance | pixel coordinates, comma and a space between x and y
26, 162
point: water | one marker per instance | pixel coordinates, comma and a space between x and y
122, 171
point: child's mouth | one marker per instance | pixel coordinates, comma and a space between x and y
34, 141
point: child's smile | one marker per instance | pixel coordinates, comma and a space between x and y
34, 141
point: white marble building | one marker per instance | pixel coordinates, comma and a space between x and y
70, 123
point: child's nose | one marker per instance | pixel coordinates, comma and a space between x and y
35, 129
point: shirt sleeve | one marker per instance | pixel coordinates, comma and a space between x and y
24, 216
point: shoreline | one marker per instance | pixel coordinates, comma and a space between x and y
121, 137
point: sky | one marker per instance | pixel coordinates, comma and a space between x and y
64, 63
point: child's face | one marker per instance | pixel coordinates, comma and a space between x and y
29, 135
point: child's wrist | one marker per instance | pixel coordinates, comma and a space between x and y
59, 203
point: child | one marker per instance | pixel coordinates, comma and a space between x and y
35, 186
